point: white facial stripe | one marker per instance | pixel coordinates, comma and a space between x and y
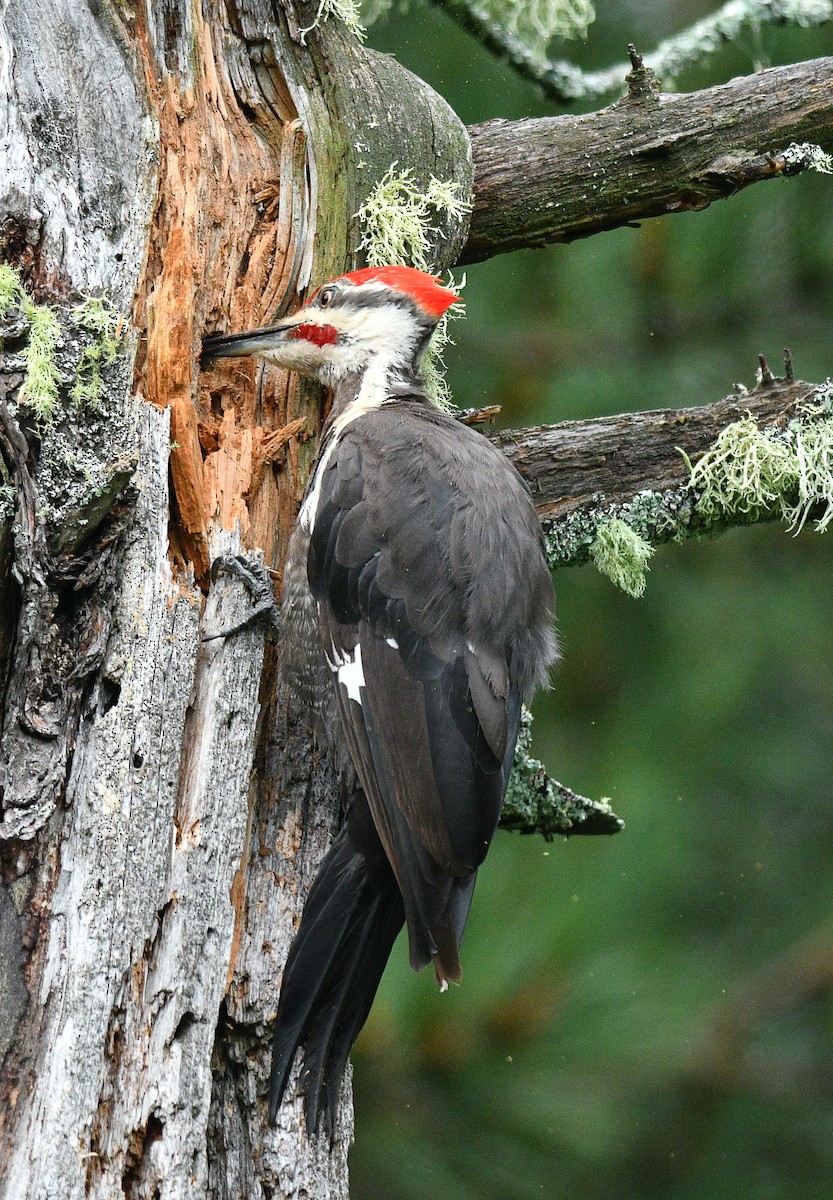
389, 335
386, 329
366, 335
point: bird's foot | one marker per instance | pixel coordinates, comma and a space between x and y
257, 578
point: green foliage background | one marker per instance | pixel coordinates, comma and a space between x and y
647, 1016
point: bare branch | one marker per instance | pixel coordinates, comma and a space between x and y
563, 81
555, 179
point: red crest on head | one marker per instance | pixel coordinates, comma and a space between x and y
427, 290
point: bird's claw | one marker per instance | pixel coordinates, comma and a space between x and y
256, 577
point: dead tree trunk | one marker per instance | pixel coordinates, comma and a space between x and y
161, 810
161, 817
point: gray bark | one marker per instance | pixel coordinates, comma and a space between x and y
555, 179
163, 809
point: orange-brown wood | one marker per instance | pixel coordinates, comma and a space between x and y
225, 252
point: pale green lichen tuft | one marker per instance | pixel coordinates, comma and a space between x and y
433, 367
537, 22
348, 11
806, 156
752, 472
813, 443
39, 391
96, 316
433, 360
40, 385
783, 472
620, 553
396, 224
10, 289
396, 218
745, 473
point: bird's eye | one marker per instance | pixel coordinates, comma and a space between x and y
326, 297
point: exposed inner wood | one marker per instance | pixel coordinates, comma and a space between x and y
225, 249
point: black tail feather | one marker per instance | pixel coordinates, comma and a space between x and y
353, 991
332, 973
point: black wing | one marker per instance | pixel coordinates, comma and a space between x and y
435, 608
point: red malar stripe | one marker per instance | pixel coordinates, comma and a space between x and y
319, 335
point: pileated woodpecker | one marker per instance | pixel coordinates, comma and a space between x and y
417, 597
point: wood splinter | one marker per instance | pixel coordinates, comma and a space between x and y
788, 365
767, 378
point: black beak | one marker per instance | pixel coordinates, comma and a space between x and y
242, 345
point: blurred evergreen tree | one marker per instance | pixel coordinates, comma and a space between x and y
647, 1016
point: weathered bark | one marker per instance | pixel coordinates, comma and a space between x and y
579, 466
162, 813
555, 179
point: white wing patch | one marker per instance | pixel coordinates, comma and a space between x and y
351, 674
348, 670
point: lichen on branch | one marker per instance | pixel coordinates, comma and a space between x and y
536, 803
610, 489
620, 537
563, 81
806, 156
782, 471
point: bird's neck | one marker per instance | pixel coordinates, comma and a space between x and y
383, 381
